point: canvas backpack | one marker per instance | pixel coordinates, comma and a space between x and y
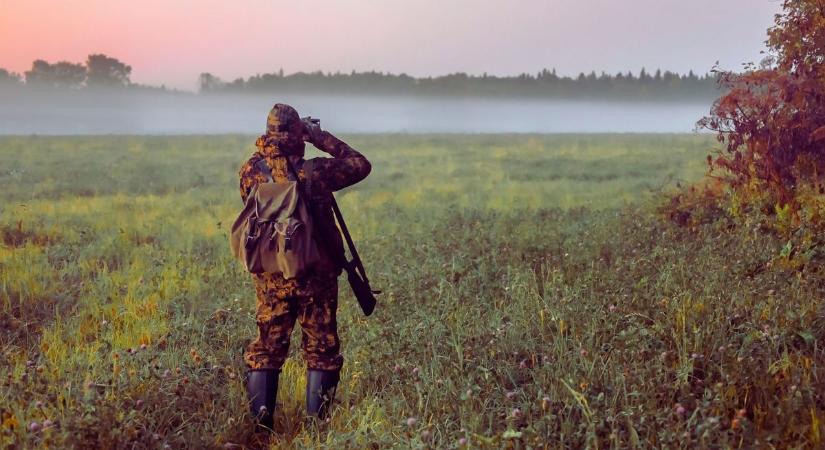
274, 231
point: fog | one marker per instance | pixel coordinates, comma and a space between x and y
128, 112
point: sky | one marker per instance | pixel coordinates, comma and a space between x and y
171, 42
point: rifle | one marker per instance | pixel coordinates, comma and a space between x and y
356, 275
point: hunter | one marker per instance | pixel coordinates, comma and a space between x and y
312, 298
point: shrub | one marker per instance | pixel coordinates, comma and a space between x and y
772, 118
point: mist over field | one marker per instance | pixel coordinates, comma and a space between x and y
130, 112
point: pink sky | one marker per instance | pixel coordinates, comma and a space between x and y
172, 41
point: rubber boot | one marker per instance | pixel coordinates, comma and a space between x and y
262, 388
321, 386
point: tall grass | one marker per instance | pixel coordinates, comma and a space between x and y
531, 299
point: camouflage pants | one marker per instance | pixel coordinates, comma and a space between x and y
313, 303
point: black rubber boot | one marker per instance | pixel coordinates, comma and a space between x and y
262, 388
321, 386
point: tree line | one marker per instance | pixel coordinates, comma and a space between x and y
547, 83
100, 70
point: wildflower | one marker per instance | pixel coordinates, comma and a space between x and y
29, 363
34, 427
415, 371
166, 373
680, 410
462, 442
47, 424
510, 395
516, 413
411, 422
138, 404
583, 352
115, 356
664, 355
426, 435
734, 424
722, 349
38, 404
143, 346
469, 393
612, 308
741, 413
397, 368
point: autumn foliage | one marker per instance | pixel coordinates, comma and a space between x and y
772, 118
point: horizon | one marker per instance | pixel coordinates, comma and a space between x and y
171, 45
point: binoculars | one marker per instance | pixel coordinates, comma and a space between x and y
309, 123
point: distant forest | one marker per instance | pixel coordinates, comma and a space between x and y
101, 71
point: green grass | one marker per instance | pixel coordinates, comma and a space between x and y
525, 277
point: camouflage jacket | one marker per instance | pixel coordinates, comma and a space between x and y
345, 168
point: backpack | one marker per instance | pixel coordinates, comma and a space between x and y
274, 231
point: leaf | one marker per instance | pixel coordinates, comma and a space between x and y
786, 250
807, 336
818, 134
511, 434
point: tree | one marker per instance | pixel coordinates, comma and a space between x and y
69, 75
209, 83
643, 76
59, 75
104, 71
9, 78
772, 120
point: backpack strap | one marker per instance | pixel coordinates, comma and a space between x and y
308, 166
264, 168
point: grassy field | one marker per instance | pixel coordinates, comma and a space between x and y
532, 299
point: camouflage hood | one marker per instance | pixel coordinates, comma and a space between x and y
284, 133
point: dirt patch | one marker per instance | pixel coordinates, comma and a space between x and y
16, 236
